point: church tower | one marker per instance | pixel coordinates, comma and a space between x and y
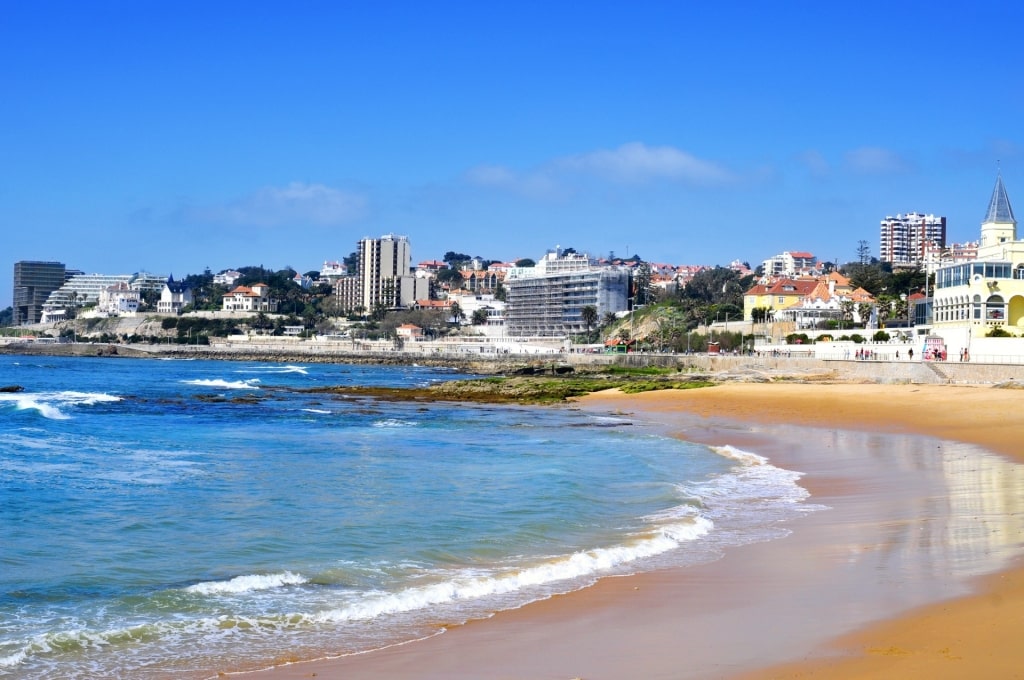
999, 226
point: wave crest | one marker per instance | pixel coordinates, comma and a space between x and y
248, 583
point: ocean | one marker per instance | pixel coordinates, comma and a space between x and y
177, 518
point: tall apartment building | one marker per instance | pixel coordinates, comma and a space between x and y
33, 283
903, 238
547, 300
386, 278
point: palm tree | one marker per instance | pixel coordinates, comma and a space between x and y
455, 310
589, 316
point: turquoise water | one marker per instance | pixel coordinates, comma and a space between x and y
180, 518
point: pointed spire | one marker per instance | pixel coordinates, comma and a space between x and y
999, 210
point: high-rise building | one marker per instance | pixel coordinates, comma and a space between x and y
386, 278
33, 283
904, 238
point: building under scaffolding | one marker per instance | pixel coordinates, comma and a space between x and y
547, 300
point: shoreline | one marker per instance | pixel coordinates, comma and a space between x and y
751, 621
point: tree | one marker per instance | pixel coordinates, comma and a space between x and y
642, 284
846, 308
863, 252
452, 277
455, 311
719, 285
525, 262
479, 317
351, 262
589, 317
454, 259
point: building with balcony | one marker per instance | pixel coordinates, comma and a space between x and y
789, 264
386, 278
903, 239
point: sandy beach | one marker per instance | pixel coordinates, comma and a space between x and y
909, 570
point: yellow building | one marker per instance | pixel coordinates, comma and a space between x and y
971, 299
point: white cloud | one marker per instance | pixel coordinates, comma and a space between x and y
632, 163
815, 162
296, 204
636, 162
538, 183
873, 160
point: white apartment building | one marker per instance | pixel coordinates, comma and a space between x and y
226, 278
547, 300
789, 264
86, 289
904, 238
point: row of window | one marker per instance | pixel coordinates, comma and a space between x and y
962, 308
962, 274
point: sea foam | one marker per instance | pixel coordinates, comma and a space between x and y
469, 585
247, 583
250, 384
48, 404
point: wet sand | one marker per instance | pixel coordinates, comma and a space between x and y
884, 583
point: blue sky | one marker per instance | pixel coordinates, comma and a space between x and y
174, 136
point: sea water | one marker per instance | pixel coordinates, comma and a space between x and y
182, 518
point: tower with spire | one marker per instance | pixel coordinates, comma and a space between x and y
999, 226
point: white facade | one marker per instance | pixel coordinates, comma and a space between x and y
904, 238
226, 278
255, 298
119, 300
973, 299
174, 297
788, 264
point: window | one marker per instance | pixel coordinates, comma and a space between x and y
995, 308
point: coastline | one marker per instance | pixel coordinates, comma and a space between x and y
765, 605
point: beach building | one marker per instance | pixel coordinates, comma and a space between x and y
33, 283
409, 332
979, 299
904, 238
547, 300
